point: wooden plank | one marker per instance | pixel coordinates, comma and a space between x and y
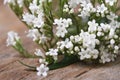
10, 69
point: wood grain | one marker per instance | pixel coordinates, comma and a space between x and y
11, 69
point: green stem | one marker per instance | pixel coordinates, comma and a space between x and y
33, 68
76, 23
22, 51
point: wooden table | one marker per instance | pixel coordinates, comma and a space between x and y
11, 69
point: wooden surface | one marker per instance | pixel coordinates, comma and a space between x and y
10, 69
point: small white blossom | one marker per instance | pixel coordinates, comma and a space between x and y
99, 33
19, 2
42, 70
112, 41
43, 61
92, 26
88, 53
111, 33
34, 7
110, 2
53, 53
76, 49
89, 40
65, 44
105, 27
39, 21
34, 34
43, 39
12, 38
77, 39
61, 25
116, 47
61, 31
73, 3
101, 9
38, 52
28, 18
68, 44
112, 16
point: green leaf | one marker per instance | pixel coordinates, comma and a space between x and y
67, 60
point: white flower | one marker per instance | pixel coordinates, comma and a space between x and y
61, 25
99, 33
53, 53
66, 8
88, 40
28, 18
43, 39
42, 70
88, 54
73, 3
111, 33
116, 47
39, 21
68, 44
38, 52
112, 41
115, 24
33, 7
12, 38
105, 55
43, 61
9, 1
62, 22
61, 31
76, 48
34, 34
77, 38
105, 27
112, 16
65, 44
19, 2
110, 2
101, 9
92, 26
87, 8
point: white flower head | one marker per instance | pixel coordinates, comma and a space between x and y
88, 40
101, 9
53, 53
12, 38
33, 7
28, 18
105, 27
19, 2
9, 1
42, 70
92, 26
43, 39
38, 52
34, 34
112, 16
39, 21
110, 2
65, 44
61, 25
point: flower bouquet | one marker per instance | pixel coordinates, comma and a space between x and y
68, 31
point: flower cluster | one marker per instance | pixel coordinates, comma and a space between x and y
86, 30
